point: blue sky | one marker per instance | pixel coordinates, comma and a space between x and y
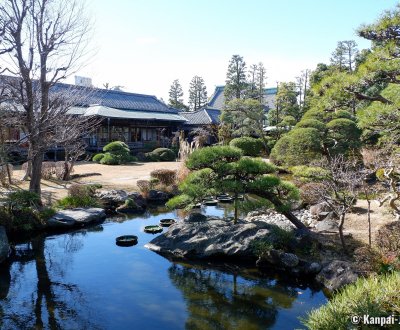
144, 45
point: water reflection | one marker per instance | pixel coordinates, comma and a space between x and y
52, 303
216, 299
82, 280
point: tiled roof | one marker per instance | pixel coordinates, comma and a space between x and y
205, 116
117, 99
102, 111
217, 100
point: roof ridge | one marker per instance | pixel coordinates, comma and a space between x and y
205, 110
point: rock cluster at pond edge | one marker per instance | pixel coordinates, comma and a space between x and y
76, 217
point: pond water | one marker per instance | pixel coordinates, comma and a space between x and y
83, 280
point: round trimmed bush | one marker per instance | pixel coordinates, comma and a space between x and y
298, 147
312, 123
344, 135
110, 159
98, 157
161, 155
116, 153
116, 147
250, 146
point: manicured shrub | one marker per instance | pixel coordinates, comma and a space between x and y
250, 146
98, 157
311, 123
377, 296
62, 168
110, 159
309, 173
165, 177
343, 135
287, 121
144, 187
115, 153
342, 114
161, 155
298, 147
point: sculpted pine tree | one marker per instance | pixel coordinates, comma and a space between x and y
197, 93
236, 83
176, 96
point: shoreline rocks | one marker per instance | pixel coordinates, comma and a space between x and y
77, 217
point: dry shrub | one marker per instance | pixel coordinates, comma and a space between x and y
309, 193
182, 174
48, 169
4, 172
165, 177
60, 169
81, 190
370, 157
144, 187
388, 238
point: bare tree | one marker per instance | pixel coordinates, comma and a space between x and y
339, 189
44, 41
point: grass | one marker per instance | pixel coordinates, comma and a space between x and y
376, 296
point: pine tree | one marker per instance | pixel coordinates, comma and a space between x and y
175, 96
236, 83
344, 56
197, 93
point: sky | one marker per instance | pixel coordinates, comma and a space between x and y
143, 45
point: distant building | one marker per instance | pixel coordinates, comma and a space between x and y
217, 100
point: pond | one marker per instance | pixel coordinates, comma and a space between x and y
83, 280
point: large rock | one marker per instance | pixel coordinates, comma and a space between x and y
336, 274
326, 225
196, 217
316, 209
112, 198
76, 217
156, 196
4, 247
212, 238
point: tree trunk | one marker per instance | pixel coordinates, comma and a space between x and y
236, 207
341, 223
36, 176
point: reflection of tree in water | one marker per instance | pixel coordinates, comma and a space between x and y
220, 300
55, 304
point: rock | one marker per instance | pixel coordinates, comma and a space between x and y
289, 260
4, 247
138, 199
212, 238
312, 268
78, 217
316, 209
326, 225
336, 274
322, 215
157, 196
130, 206
196, 217
112, 198
279, 259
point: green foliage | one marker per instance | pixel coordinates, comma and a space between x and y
98, 157
213, 156
343, 135
312, 123
79, 196
197, 93
243, 117
179, 202
250, 146
299, 146
224, 169
287, 121
236, 84
161, 155
375, 296
22, 199
309, 173
115, 153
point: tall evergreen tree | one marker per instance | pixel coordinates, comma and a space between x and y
256, 82
344, 56
197, 93
176, 96
236, 83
